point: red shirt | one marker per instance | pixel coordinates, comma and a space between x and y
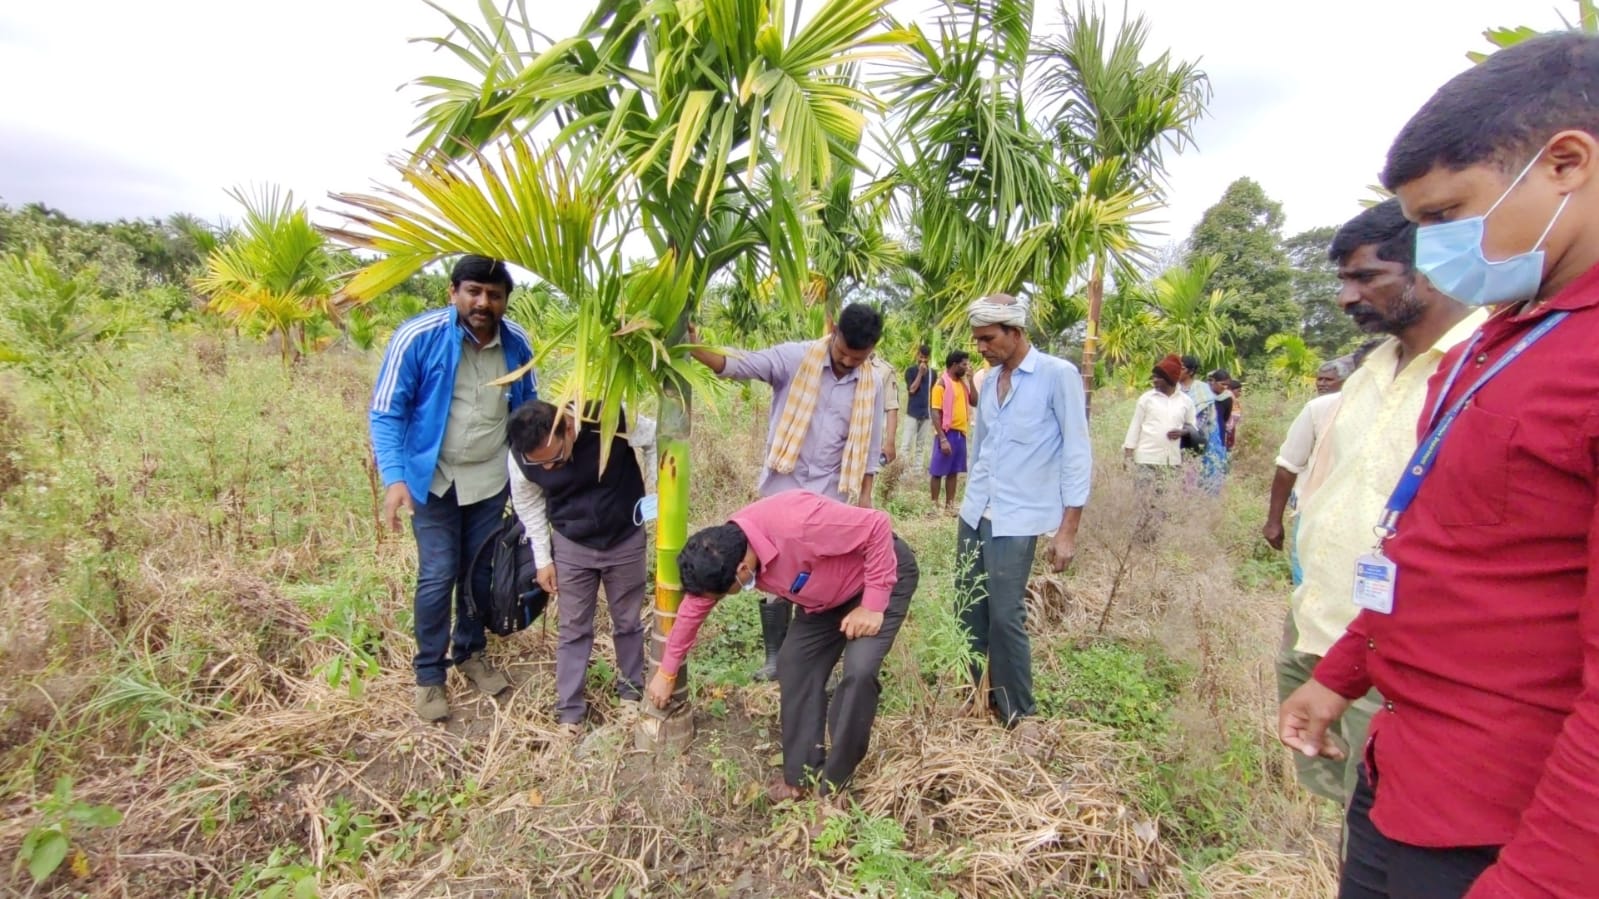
1490, 660
844, 551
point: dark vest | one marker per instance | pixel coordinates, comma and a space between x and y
585, 506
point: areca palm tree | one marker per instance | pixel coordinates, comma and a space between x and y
1292, 358
1112, 116
707, 127
977, 186
850, 245
1190, 318
993, 203
275, 273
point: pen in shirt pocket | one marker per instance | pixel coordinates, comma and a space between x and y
799, 581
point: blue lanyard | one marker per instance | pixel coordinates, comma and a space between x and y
1421, 463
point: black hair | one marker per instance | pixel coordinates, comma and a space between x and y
529, 426
1191, 364
1502, 110
1235, 384
481, 269
861, 326
1220, 374
1385, 226
924, 350
956, 357
708, 563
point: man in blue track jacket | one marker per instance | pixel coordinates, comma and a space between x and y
438, 431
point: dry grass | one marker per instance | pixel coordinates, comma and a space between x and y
1261, 874
1040, 814
183, 679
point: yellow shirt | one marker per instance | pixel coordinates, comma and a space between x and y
960, 416
1371, 439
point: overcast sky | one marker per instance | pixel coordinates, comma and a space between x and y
116, 109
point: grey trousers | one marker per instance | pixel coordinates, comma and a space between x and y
993, 576
579, 571
813, 647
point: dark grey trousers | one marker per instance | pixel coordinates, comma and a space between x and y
813, 647
579, 571
993, 575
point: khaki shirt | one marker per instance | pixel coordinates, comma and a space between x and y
1371, 439
473, 454
887, 384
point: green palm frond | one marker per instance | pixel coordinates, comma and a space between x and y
275, 271
1107, 100
1189, 319
1292, 358
1587, 22
532, 208
560, 218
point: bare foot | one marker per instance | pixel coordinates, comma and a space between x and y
781, 791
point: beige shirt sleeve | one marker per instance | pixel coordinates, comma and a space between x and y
1295, 452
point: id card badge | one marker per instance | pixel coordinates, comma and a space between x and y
1374, 583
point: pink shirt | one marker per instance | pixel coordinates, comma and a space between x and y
844, 551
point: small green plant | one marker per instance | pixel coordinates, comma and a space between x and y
1208, 802
285, 875
1117, 686
348, 832
350, 621
727, 771
876, 859
730, 645
46, 846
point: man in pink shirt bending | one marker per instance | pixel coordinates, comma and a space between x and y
851, 580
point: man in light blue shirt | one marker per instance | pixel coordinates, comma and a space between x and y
1030, 467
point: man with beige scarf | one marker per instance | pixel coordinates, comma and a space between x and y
825, 432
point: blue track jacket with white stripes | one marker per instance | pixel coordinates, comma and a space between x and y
411, 401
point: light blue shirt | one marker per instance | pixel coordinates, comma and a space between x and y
1031, 457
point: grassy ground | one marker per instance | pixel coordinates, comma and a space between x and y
205, 686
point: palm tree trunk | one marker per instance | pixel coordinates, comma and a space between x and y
673, 726
1096, 300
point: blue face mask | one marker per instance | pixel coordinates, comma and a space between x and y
647, 509
1451, 256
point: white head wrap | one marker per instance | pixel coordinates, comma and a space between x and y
1342, 367
997, 309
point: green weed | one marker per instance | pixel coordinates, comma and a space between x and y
46, 845
286, 874
1117, 686
875, 859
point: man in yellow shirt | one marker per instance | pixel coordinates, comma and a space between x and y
950, 409
1369, 441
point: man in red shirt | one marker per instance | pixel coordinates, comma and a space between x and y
851, 580
1480, 621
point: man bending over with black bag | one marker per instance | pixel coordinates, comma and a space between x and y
598, 537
